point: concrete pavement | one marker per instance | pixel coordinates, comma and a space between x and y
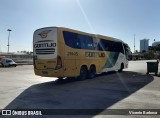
131, 89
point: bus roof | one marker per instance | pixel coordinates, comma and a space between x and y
76, 31
94, 35
90, 34
109, 38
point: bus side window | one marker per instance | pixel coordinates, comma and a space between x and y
119, 47
89, 43
108, 45
100, 46
112, 46
71, 39
95, 43
86, 42
127, 51
78, 44
81, 41
103, 45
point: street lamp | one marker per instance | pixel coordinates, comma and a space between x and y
134, 42
8, 38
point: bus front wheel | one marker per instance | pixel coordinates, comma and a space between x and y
121, 68
60, 78
83, 73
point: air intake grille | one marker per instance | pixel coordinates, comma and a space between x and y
45, 51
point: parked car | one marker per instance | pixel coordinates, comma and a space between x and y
6, 62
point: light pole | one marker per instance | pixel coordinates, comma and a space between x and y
8, 38
134, 42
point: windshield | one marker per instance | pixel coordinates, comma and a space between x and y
8, 61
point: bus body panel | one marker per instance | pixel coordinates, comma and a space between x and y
116, 65
74, 59
45, 43
45, 51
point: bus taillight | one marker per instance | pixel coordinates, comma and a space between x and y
34, 64
59, 63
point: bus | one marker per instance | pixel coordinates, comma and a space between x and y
63, 52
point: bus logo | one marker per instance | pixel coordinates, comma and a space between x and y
44, 34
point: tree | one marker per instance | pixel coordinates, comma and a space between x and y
149, 55
143, 51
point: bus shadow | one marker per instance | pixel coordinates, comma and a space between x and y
99, 93
73, 79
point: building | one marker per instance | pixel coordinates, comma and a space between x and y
155, 46
157, 43
144, 43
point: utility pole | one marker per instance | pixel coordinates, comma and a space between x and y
9, 30
134, 42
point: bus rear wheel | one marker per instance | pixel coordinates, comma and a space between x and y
60, 78
122, 67
83, 73
92, 72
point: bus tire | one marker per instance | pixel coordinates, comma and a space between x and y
83, 73
2, 65
92, 72
121, 68
60, 78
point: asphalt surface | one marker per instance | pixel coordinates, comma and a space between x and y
131, 89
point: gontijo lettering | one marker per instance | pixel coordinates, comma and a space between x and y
94, 54
42, 45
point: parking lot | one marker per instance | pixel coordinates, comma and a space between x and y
131, 89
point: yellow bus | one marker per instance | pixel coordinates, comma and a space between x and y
62, 52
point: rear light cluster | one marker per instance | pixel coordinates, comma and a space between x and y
59, 63
34, 64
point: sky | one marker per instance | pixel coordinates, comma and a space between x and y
115, 18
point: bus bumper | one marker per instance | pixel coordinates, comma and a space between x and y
49, 73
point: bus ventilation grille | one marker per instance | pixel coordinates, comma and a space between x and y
45, 51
